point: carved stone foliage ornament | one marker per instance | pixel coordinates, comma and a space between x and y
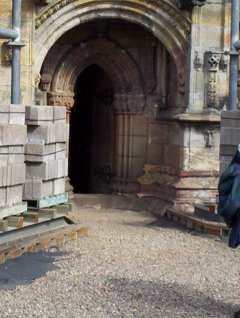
61, 99
212, 62
129, 103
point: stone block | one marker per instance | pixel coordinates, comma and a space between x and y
139, 146
37, 189
59, 113
60, 168
17, 174
3, 196
59, 146
61, 154
12, 114
44, 170
58, 186
28, 189
42, 133
39, 113
39, 158
61, 132
14, 195
12, 135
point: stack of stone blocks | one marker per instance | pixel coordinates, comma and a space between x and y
13, 136
45, 152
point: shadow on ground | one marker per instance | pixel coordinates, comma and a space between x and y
168, 297
25, 269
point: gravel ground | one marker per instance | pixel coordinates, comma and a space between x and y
129, 266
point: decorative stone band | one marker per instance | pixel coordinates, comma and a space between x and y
129, 103
61, 99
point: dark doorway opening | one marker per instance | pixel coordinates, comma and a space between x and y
91, 142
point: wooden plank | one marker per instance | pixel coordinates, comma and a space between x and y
31, 217
13, 210
15, 221
3, 225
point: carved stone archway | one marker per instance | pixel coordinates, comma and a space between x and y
129, 100
57, 19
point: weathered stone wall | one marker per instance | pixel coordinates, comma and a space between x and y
27, 56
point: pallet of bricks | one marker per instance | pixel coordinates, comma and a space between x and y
45, 156
13, 135
229, 137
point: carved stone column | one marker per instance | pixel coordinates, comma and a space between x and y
128, 108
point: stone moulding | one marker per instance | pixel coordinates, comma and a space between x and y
53, 22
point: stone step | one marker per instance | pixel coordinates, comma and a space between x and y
207, 212
196, 223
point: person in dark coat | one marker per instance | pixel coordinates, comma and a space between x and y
229, 202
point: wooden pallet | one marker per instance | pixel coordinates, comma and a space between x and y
197, 224
47, 202
34, 216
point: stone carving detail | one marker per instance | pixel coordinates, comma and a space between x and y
45, 82
209, 138
212, 60
199, 60
61, 99
53, 9
6, 54
129, 103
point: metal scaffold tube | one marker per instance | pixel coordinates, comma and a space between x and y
16, 45
234, 54
16, 53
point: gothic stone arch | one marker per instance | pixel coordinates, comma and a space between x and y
162, 18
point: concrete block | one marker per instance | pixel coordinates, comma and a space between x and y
59, 113
17, 173
61, 132
61, 154
3, 159
28, 189
61, 168
43, 133
14, 195
12, 114
13, 135
16, 149
59, 146
41, 189
37, 158
40, 148
15, 158
39, 113
58, 186
44, 170
3, 196
66, 167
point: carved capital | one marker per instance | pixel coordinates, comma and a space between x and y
129, 103
212, 61
6, 54
61, 99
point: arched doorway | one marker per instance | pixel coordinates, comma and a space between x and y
92, 132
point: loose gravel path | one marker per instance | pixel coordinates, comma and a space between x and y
129, 266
